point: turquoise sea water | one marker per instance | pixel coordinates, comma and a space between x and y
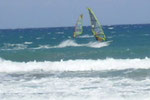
49, 64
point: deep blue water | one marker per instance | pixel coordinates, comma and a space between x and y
54, 44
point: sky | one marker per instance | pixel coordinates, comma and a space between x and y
59, 13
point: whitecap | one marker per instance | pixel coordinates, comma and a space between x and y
86, 36
27, 42
72, 43
9, 46
75, 65
111, 28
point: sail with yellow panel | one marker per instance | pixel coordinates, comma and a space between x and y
97, 29
79, 26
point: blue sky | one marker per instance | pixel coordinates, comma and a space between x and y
57, 13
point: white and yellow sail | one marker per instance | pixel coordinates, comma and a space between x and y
97, 29
79, 26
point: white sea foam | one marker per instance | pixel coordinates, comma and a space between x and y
9, 46
75, 89
72, 43
27, 42
38, 38
75, 65
90, 44
110, 28
20, 37
59, 32
86, 36
146, 34
97, 44
67, 43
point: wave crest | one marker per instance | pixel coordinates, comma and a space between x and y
72, 43
86, 36
75, 65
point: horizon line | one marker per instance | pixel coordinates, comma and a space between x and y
68, 26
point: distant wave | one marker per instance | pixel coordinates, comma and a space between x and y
97, 44
9, 46
67, 43
110, 28
146, 34
59, 32
49, 33
63, 44
86, 36
75, 65
90, 44
27, 42
72, 43
38, 38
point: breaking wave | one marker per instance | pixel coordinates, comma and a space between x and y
66, 43
72, 43
86, 36
9, 46
111, 28
75, 65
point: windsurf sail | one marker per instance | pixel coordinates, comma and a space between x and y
97, 29
79, 26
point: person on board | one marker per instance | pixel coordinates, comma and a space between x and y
99, 38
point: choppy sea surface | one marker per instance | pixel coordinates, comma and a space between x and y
49, 64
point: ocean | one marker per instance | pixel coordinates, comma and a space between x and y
49, 64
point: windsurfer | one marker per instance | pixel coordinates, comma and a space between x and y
98, 38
